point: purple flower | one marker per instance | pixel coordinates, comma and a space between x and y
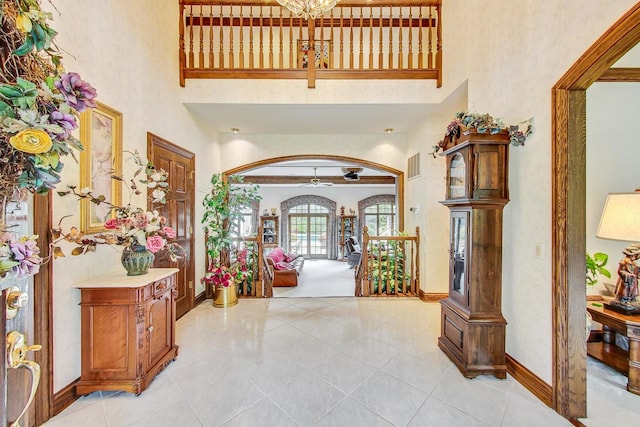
27, 255
78, 93
66, 121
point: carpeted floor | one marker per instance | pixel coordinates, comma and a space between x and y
321, 278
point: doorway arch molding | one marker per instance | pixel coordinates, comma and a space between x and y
568, 106
353, 160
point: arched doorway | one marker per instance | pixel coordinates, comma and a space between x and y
568, 210
399, 175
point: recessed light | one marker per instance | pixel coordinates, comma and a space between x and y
388, 130
235, 130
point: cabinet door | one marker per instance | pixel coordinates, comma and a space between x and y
159, 327
458, 257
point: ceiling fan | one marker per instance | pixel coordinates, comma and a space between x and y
315, 181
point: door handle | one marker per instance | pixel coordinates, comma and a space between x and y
16, 358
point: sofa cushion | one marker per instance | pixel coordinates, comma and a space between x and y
290, 257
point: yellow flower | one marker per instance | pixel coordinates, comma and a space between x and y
23, 23
33, 141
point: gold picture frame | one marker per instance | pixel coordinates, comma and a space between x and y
101, 137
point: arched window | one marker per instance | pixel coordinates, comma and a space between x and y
378, 213
320, 227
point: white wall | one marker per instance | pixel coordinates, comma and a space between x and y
119, 48
613, 154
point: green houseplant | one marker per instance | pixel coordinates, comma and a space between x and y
223, 206
596, 266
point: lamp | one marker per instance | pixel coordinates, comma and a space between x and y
621, 221
308, 8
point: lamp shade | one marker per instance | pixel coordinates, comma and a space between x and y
621, 218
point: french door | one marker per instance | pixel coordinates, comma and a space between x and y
308, 234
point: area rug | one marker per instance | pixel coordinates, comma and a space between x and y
321, 278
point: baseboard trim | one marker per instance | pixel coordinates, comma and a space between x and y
200, 298
65, 397
530, 381
431, 296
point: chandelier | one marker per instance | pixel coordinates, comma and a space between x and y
308, 8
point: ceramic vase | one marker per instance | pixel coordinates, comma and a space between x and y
225, 296
136, 259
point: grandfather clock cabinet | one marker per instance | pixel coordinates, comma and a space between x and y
472, 325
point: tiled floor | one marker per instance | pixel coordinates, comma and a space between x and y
314, 361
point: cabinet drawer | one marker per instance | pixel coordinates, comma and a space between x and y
454, 328
162, 286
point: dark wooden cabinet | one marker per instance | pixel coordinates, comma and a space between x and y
346, 229
473, 328
269, 224
128, 330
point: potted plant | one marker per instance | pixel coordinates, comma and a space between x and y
595, 267
223, 207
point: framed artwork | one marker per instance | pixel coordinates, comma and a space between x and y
101, 137
322, 53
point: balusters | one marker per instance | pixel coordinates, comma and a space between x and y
212, 63
261, 42
280, 49
271, 37
391, 37
380, 54
400, 62
370, 37
251, 37
201, 41
430, 51
351, 39
341, 38
221, 41
231, 49
410, 54
191, 57
290, 41
241, 58
361, 55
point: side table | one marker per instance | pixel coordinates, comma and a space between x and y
627, 362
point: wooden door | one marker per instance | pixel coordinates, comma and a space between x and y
180, 210
159, 328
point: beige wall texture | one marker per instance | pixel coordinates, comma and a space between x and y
508, 54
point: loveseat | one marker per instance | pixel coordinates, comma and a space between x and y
283, 268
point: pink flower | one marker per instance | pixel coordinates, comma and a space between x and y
169, 232
111, 224
155, 243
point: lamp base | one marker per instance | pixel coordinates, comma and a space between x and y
628, 308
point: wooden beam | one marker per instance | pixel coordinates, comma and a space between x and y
277, 179
620, 75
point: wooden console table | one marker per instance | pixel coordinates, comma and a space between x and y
128, 329
627, 362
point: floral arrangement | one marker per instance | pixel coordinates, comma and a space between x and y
39, 101
127, 225
484, 123
219, 275
20, 256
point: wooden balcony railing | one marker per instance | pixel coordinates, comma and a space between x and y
357, 39
389, 265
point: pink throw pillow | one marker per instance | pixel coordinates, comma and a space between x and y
290, 257
283, 266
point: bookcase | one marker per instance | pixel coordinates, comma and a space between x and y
270, 233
